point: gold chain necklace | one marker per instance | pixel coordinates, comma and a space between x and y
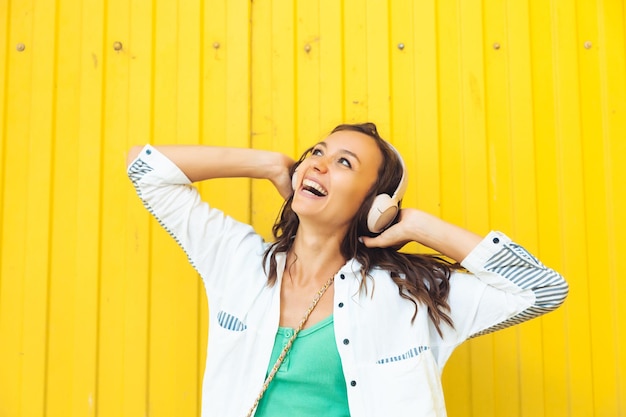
283, 354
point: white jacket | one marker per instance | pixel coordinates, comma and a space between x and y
392, 367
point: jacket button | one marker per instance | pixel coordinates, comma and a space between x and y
496, 240
340, 305
346, 342
353, 383
342, 276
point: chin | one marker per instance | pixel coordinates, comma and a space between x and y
307, 208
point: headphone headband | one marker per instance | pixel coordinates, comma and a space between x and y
385, 208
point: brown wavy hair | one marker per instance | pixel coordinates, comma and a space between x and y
421, 278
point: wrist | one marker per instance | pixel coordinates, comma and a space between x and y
263, 164
419, 225
277, 166
446, 238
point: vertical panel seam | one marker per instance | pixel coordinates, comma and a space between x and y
199, 287
296, 69
3, 133
585, 207
53, 114
608, 184
440, 121
319, 74
150, 224
390, 71
343, 60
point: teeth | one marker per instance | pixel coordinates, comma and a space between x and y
315, 186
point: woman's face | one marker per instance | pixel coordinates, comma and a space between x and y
332, 182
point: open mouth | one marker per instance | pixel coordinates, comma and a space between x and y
314, 188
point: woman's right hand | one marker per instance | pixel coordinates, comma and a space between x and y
200, 162
281, 178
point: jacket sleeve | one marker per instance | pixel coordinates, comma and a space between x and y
208, 237
506, 285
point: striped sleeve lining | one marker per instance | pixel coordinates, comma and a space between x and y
136, 171
524, 270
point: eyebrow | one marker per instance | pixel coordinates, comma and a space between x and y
352, 154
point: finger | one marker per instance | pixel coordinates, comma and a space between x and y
375, 242
390, 238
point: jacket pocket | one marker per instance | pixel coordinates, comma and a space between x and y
229, 322
407, 384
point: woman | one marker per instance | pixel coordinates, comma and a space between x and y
330, 319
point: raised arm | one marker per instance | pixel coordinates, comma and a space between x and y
211, 239
418, 226
507, 284
200, 163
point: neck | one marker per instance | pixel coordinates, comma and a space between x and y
314, 257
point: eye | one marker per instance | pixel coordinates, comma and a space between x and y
317, 152
345, 162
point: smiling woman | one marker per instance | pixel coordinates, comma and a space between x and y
336, 176
330, 318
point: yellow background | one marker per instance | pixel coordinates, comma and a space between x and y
511, 115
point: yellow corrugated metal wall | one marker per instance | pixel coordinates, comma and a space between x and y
511, 115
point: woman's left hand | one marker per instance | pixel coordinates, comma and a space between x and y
395, 236
418, 226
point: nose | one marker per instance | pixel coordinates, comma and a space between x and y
320, 164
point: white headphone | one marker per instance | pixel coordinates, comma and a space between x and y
384, 208
294, 180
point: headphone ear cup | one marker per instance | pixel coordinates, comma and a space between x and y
294, 181
383, 211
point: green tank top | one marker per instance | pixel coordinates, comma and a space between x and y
310, 380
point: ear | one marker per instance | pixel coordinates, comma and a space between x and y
384, 210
